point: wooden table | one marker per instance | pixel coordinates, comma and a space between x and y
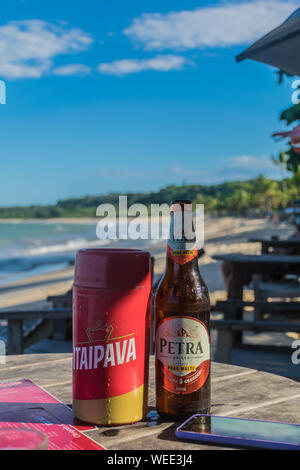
267, 244
244, 266
236, 391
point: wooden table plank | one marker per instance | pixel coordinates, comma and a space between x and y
289, 245
236, 391
283, 411
165, 439
247, 393
267, 258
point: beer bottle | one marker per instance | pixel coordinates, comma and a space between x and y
182, 310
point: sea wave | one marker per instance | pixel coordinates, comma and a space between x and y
69, 245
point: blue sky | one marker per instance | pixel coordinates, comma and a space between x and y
132, 96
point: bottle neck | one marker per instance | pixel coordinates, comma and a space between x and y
181, 247
178, 270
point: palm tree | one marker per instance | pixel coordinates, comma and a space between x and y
266, 193
296, 179
281, 162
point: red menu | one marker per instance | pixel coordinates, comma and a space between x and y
23, 404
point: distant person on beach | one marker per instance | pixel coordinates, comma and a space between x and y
226, 266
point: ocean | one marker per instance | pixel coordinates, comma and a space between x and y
32, 248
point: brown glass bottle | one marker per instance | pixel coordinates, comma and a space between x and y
182, 310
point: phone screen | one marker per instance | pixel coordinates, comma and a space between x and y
244, 429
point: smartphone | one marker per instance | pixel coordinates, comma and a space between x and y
240, 432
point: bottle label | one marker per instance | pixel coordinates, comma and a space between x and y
182, 354
181, 256
182, 246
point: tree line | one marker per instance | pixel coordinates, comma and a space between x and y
257, 196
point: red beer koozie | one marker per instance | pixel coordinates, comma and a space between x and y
111, 331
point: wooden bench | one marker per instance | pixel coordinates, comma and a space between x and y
65, 299
267, 290
16, 340
62, 327
231, 306
227, 326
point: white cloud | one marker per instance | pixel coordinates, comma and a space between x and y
242, 167
249, 162
72, 69
162, 63
222, 25
27, 48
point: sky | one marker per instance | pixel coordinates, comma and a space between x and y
133, 96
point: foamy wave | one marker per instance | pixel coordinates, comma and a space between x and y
157, 242
70, 245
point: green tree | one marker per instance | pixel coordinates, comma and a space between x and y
295, 180
238, 201
266, 194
